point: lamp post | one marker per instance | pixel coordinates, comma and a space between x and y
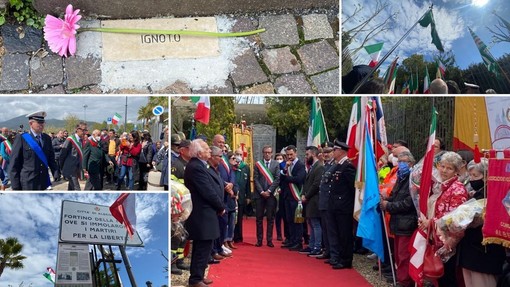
85, 112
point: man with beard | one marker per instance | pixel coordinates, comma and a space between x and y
310, 196
71, 157
267, 179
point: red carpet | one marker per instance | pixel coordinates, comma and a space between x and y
264, 266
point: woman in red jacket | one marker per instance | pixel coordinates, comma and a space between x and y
129, 152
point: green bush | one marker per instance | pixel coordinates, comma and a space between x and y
22, 11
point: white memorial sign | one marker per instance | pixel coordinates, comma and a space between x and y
73, 266
92, 224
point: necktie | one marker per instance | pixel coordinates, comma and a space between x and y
267, 164
38, 138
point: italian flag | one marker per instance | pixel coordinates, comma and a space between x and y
116, 118
203, 111
123, 209
374, 51
354, 132
426, 81
419, 242
441, 69
50, 275
317, 133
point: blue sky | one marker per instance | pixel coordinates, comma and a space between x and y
452, 19
34, 219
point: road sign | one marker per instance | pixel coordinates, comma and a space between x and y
90, 223
109, 120
158, 110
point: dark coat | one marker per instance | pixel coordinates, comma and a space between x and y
260, 181
94, 158
244, 183
477, 257
324, 187
228, 176
311, 189
26, 170
341, 180
297, 176
404, 219
70, 160
146, 154
57, 146
206, 191
178, 167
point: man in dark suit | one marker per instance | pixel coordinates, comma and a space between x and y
292, 178
340, 178
71, 157
310, 196
267, 179
206, 189
32, 154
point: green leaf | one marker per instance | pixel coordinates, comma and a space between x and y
30, 22
2, 20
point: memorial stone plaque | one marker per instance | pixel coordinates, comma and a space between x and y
301, 140
263, 135
132, 47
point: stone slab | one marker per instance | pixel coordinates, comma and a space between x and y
133, 47
247, 70
123, 9
31, 40
266, 88
263, 135
292, 84
318, 57
82, 72
47, 70
53, 90
179, 87
15, 72
327, 83
280, 61
227, 88
316, 26
280, 30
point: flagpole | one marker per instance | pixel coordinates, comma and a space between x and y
365, 79
127, 264
324, 122
373, 120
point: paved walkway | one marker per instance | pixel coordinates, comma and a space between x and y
298, 54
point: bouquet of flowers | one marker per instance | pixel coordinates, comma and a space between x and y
450, 228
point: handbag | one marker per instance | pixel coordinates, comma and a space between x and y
433, 266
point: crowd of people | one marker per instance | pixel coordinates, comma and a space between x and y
315, 197
34, 160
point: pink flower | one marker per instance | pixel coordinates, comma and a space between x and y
61, 34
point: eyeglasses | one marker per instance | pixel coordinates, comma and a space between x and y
233, 157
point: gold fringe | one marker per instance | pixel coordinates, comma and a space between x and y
496, 240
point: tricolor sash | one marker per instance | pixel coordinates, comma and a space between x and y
295, 191
77, 145
224, 163
8, 150
39, 152
265, 172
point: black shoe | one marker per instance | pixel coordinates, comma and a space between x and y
286, 245
176, 271
296, 247
323, 256
362, 251
315, 253
331, 262
118, 187
258, 244
286, 241
213, 261
279, 238
306, 250
342, 266
270, 244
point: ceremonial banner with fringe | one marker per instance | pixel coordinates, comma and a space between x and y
496, 228
242, 137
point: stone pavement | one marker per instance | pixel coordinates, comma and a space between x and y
298, 54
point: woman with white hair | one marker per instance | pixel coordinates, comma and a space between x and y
453, 193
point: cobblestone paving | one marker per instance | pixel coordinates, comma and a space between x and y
298, 54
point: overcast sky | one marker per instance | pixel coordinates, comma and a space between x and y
452, 18
34, 220
99, 107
